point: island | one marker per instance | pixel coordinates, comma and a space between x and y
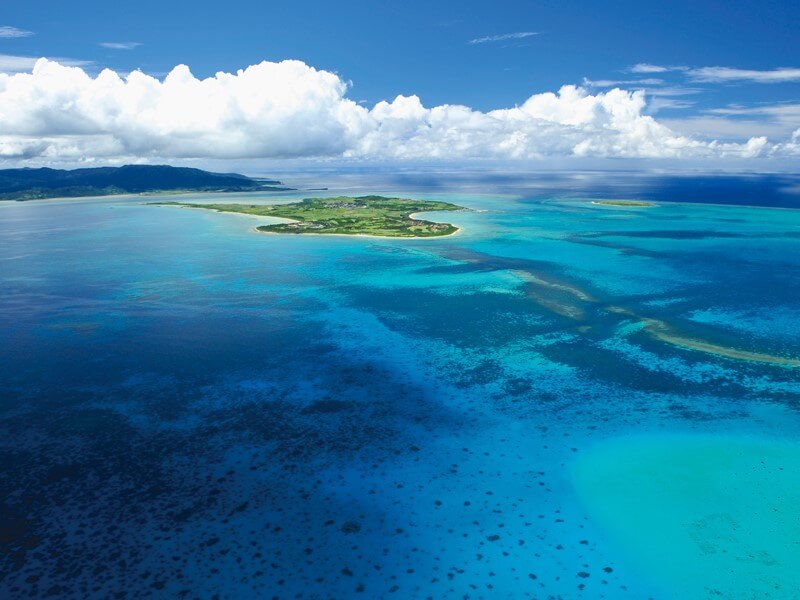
626, 203
34, 184
345, 215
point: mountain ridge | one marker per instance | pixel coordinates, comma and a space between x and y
44, 182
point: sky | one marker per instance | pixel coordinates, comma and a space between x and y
357, 80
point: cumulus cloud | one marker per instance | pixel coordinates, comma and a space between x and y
268, 110
6, 31
503, 37
571, 122
289, 109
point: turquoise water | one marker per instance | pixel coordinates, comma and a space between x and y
188, 407
705, 516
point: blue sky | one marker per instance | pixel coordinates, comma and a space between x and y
480, 54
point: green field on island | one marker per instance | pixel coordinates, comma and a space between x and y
345, 215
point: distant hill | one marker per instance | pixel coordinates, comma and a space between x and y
29, 184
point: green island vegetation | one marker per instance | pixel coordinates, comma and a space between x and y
630, 203
345, 215
35, 184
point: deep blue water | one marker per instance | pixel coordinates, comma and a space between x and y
743, 189
190, 408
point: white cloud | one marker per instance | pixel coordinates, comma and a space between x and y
16, 64
705, 126
648, 68
571, 122
658, 103
778, 112
774, 120
677, 91
21, 64
789, 148
267, 110
120, 45
289, 109
670, 98
723, 74
755, 146
503, 37
617, 82
6, 31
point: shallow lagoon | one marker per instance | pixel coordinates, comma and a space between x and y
704, 515
188, 406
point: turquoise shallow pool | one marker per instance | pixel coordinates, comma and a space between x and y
565, 400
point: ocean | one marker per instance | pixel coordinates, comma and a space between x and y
565, 400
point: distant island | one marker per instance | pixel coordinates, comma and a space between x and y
33, 184
630, 203
345, 215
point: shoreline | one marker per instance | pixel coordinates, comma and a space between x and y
281, 220
223, 212
362, 235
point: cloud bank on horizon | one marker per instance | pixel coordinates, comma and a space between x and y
289, 109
